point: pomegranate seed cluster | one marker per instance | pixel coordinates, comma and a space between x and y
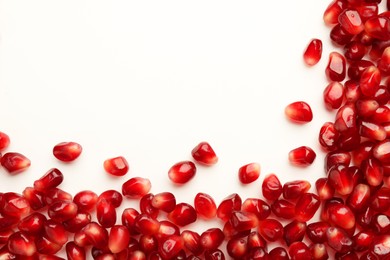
352, 197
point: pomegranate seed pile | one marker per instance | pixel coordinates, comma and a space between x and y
352, 197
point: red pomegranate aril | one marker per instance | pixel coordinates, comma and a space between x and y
148, 244
249, 173
128, 219
346, 118
171, 247
135, 255
117, 166
381, 223
341, 179
237, 247
278, 253
363, 152
136, 187
306, 207
256, 206
78, 222
351, 22
382, 95
378, 28
214, 255
328, 136
22, 244
164, 201
74, 252
384, 62
8, 222
355, 70
362, 240
49, 180
346, 256
380, 201
45, 246
294, 231
146, 207
364, 217
15, 163
327, 204
302, 156
118, 239
366, 107
182, 172
271, 229
294, 189
228, 205
316, 231
355, 50
333, 11
62, 210
256, 240
242, 221
56, 195
372, 131
35, 198
299, 112
4, 235
318, 252
257, 253
85, 200
55, 232
341, 216
271, 187
167, 229
183, 214
32, 224
212, 238
146, 225
67, 151
204, 154
4, 141
333, 95
15, 205
336, 68
349, 140
381, 151
367, 10
338, 240
299, 251
192, 242
359, 198
205, 206
373, 171
324, 189
381, 115
369, 81
352, 90
313, 52
95, 234
381, 246
283, 209
112, 196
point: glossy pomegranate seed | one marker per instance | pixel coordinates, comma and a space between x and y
381, 246
318, 252
34, 198
328, 136
351, 22
136, 187
112, 196
369, 81
341, 179
257, 253
364, 217
212, 238
128, 219
249, 173
62, 210
22, 244
192, 242
214, 255
333, 95
381, 223
333, 11
146, 207
148, 244
67, 151
15, 162
306, 207
182, 172
204, 154
94, 234
242, 221
237, 247
316, 231
359, 198
366, 107
338, 240
118, 238
167, 229
278, 253
164, 201
327, 204
342, 216
352, 89
8, 222
336, 68
105, 213
381, 115
55, 232
302, 156
283, 209
228, 205
171, 247
32, 224
15, 205
255, 240
205, 205
183, 214
355, 50
346, 118
56, 195
381, 151
294, 231
299, 112
362, 240
45, 246
299, 251
324, 189
380, 201
378, 28
117, 166
4, 141
363, 152
355, 70
373, 171
74, 252
294, 189
146, 225
271, 187
313, 52
85, 200
271, 229
368, 256
372, 131
78, 222
256, 206
49, 180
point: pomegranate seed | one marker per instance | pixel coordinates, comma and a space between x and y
95, 234
85, 200
384, 62
182, 172
205, 205
4, 236
362, 240
359, 198
366, 108
294, 189
237, 247
299, 251
271, 187
8, 222
148, 244
192, 242
381, 246
346, 256
171, 247
112, 196
128, 219
257, 253
306, 207
364, 217
368, 256
255, 240
136, 187
271, 229
74, 252
294, 231
118, 239
355, 71
313, 52
328, 136
363, 152
381, 151
373, 171
204, 154
381, 115
34, 198
381, 223
369, 81
299, 112
67, 151
249, 173
62, 210
355, 50
278, 253
32, 224
137, 255
117, 166
183, 214
228, 205
212, 238
22, 244
324, 189
56, 195
55, 232
372, 131
338, 240
337, 158
4, 141
164, 201
335, 70
341, 179
377, 48
15, 205
146, 207
256, 206
167, 229
378, 28
78, 222
351, 22
49, 180
367, 10
319, 252
380, 201
316, 231
302, 156
346, 118
327, 204
146, 225
214, 255
352, 89
105, 213
333, 11
15, 162
333, 95
283, 209
342, 216
242, 221
45, 246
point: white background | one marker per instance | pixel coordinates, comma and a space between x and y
149, 80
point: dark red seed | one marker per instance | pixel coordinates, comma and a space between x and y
271, 229
74, 252
183, 214
271, 187
15, 163
381, 246
302, 156
306, 207
117, 166
256, 206
67, 151
237, 247
294, 189
49, 180
212, 238
32, 224
316, 231
249, 173
362, 240
192, 242
294, 231
328, 136
333, 95
351, 22
204, 154
146, 207
164, 201
369, 81
242, 221
112, 196
205, 205
313, 52
336, 68
283, 209
299, 251
278, 253
22, 244
78, 222
355, 50
171, 247
338, 240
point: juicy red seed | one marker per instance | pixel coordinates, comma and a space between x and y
105, 213
363, 152
136, 187
229, 204
22, 244
67, 151
364, 217
338, 240
294, 231
372, 131
15, 162
85, 200
74, 252
94, 234
359, 198
341, 179
346, 118
117, 166
182, 172
212, 238
146, 225
381, 151
249, 173
355, 70
271, 229
351, 22
381, 115
346, 256
307, 206
333, 95
366, 107
342, 216
34, 198
363, 240
167, 229
367, 10
328, 136
170, 247
299, 251
148, 244
313, 52
15, 205
316, 231
214, 255
183, 214
319, 252
373, 171
55, 232
8, 222
164, 201
355, 50
381, 223
112, 196
62, 210
256, 206
294, 189
32, 224
49, 180
271, 187
55, 195
381, 246
340, 36
45, 246
352, 89
257, 253
378, 28
283, 209
299, 112
204, 154
278, 253
256, 240
205, 205
78, 222
128, 219
336, 68
237, 247
302, 156
380, 201
118, 239
324, 189
333, 11
191, 241
146, 207
242, 221
4, 141
369, 81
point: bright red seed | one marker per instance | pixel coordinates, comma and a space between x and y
336, 68
105, 213
319, 252
355, 50
271, 187
22, 244
324, 189
4, 141
294, 231
182, 172
204, 154
117, 166
380, 201
299, 251
338, 240
148, 244
35, 198
205, 205
283, 209
378, 28
192, 242
369, 81
32, 224
351, 22
67, 151
243, 221
228, 205
294, 189
278, 253
62, 210
15, 205
146, 207
302, 156
333, 11
74, 252
271, 229
92, 234
211, 238
49, 180
171, 247
167, 229
15, 162
333, 95
381, 246
313, 52
341, 179
256, 206
341, 216
78, 222
237, 247
55, 195
249, 173
328, 136
363, 240
128, 219
299, 112
373, 171
183, 214
164, 201
55, 232
316, 231
85, 200
307, 205
112, 196
118, 238
136, 187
